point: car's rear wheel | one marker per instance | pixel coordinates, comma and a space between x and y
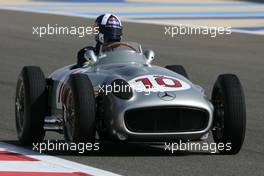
31, 105
229, 113
79, 110
178, 69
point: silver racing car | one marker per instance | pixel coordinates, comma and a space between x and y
121, 96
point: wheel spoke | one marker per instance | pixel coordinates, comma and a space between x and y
20, 106
70, 116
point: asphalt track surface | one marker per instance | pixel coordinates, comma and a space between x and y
202, 56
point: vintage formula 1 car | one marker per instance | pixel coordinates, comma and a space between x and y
120, 95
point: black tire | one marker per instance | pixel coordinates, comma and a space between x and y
178, 69
31, 109
229, 114
81, 101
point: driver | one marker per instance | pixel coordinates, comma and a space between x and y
109, 31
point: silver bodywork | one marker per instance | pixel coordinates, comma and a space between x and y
127, 65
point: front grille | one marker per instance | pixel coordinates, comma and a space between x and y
166, 119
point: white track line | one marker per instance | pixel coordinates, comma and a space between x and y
46, 163
173, 24
124, 19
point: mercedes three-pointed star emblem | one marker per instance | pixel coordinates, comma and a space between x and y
167, 96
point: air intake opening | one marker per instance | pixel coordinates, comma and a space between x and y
166, 119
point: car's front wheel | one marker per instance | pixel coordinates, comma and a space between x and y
229, 113
79, 110
30, 105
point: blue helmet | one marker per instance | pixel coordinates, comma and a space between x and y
109, 28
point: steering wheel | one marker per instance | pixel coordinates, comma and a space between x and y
120, 43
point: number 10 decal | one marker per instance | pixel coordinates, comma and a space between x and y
158, 83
